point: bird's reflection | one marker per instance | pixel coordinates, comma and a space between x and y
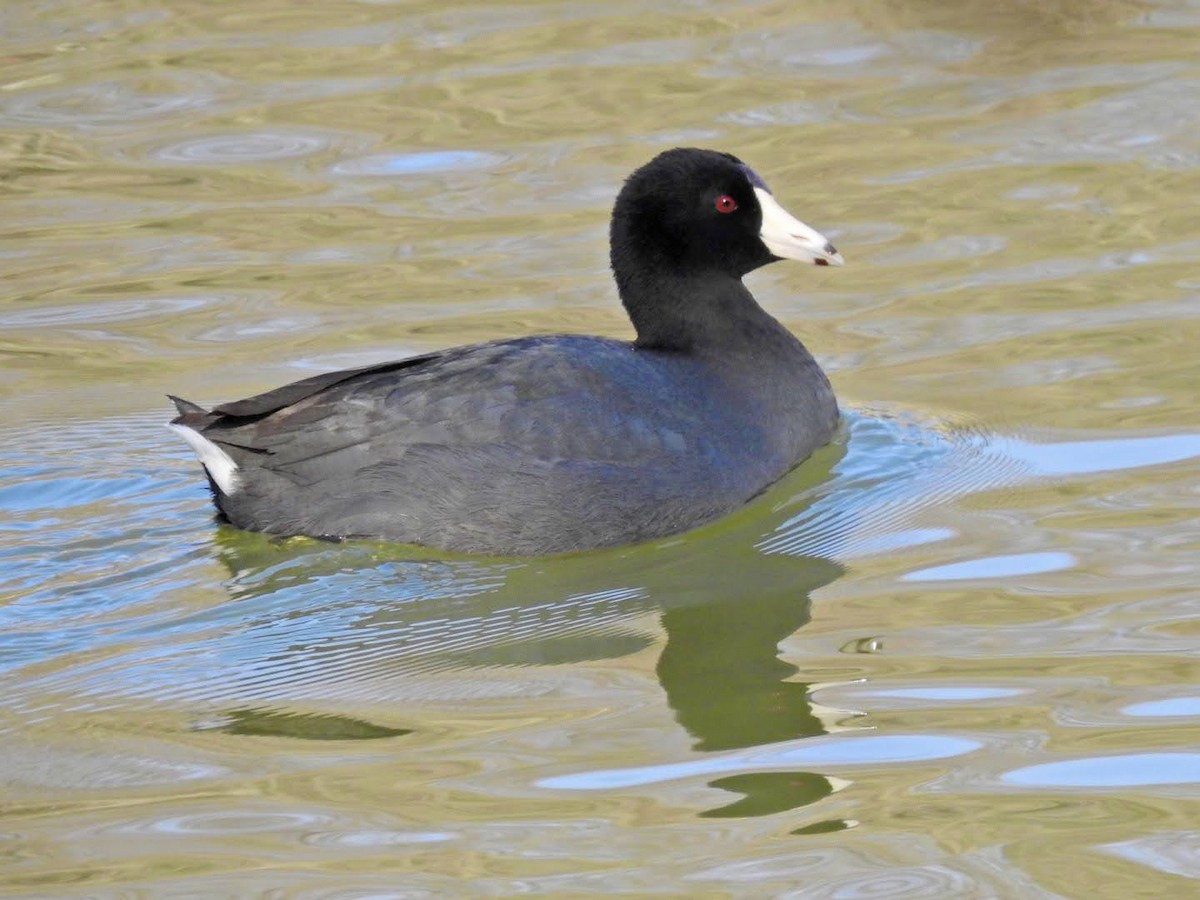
723, 676
724, 606
720, 666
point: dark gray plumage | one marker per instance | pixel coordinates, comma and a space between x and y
561, 442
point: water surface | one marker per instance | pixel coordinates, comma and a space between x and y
954, 654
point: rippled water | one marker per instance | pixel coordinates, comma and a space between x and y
955, 654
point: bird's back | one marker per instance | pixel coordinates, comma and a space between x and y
532, 445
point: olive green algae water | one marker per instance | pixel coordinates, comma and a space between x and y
954, 654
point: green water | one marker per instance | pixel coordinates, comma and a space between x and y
953, 655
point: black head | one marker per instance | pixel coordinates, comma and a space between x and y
688, 225
673, 211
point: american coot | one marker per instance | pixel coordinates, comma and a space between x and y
560, 442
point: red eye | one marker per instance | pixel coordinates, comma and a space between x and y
726, 204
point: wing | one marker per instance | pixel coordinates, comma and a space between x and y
533, 400
282, 397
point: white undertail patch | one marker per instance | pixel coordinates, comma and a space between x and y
220, 466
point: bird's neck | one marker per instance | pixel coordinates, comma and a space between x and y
700, 313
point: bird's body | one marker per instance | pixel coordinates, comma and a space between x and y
543, 444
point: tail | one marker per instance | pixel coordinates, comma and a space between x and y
186, 408
220, 467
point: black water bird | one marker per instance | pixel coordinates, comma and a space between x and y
556, 443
